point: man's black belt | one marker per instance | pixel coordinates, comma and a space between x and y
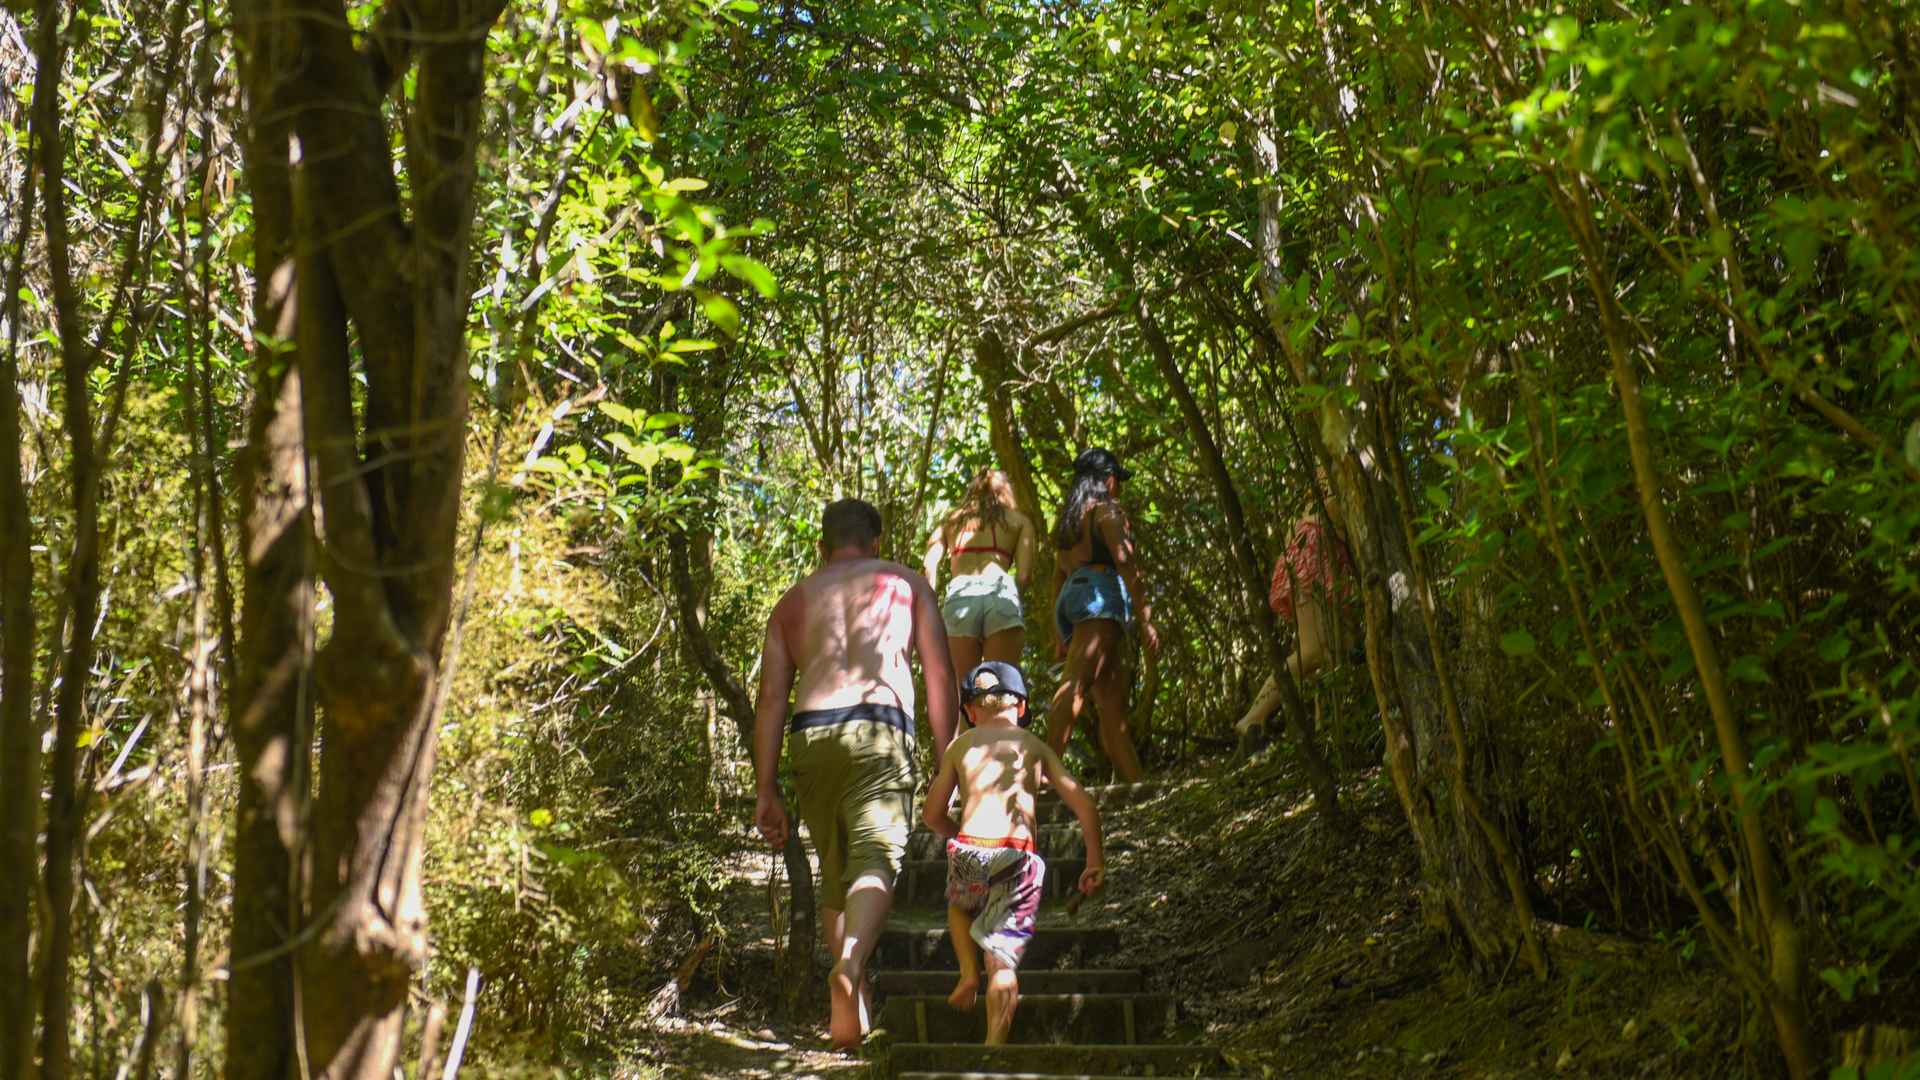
891, 715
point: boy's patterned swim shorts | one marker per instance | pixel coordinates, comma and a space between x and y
1000, 887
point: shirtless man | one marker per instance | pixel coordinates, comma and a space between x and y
837, 643
994, 874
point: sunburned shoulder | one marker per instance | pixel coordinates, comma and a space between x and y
889, 568
838, 572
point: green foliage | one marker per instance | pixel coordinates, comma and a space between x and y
735, 259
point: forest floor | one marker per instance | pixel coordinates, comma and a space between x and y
1297, 948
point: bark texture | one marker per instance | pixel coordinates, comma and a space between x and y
738, 706
385, 477
270, 707
993, 367
19, 735
65, 799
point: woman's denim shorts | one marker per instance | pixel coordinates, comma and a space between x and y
1092, 592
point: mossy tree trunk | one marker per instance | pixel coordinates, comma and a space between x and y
1475, 891
357, 274
19, 735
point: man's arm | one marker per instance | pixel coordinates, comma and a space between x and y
1081, 803
769, 724
936, 664
1118, 533
935, 812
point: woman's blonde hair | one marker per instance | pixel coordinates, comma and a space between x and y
986, 503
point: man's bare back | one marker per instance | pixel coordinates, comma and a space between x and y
849, 628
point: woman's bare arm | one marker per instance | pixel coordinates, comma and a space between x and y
936, 549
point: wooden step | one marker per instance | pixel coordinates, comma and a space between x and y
1051, 1060
923, 882
1041, 981
1041, 1018
909, 948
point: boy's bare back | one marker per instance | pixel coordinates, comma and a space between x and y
998, 771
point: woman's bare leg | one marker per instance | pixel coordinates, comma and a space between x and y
966, 654
1265, 704
1005, 645
1076, 687
1311, 655
1110, 698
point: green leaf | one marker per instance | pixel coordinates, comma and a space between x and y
753, 273
1561, 32
722, 312
1836, 646
1517, 643
592, 34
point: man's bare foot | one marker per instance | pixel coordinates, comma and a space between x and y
965, 994
847, 1022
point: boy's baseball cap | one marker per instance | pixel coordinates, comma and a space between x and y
993, 676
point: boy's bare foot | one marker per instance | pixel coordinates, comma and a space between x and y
847, 1008
965, 994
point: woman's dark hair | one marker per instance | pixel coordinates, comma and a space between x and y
1088, 490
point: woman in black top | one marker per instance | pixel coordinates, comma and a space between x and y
1096, 583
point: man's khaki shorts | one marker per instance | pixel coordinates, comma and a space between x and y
853, 777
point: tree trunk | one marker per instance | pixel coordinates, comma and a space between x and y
991, 366
1466, 893
270, 706
1252, 567
388, 483
19, 735
65, 804
1779, 938
738, 706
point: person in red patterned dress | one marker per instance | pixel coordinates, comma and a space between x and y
1312, 584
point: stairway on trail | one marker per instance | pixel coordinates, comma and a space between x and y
1077, 1018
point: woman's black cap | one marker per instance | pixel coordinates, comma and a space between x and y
1100, 461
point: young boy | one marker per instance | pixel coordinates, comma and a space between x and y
994, 874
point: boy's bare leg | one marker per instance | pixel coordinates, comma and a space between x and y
1003, 997
966, 992
868, 901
